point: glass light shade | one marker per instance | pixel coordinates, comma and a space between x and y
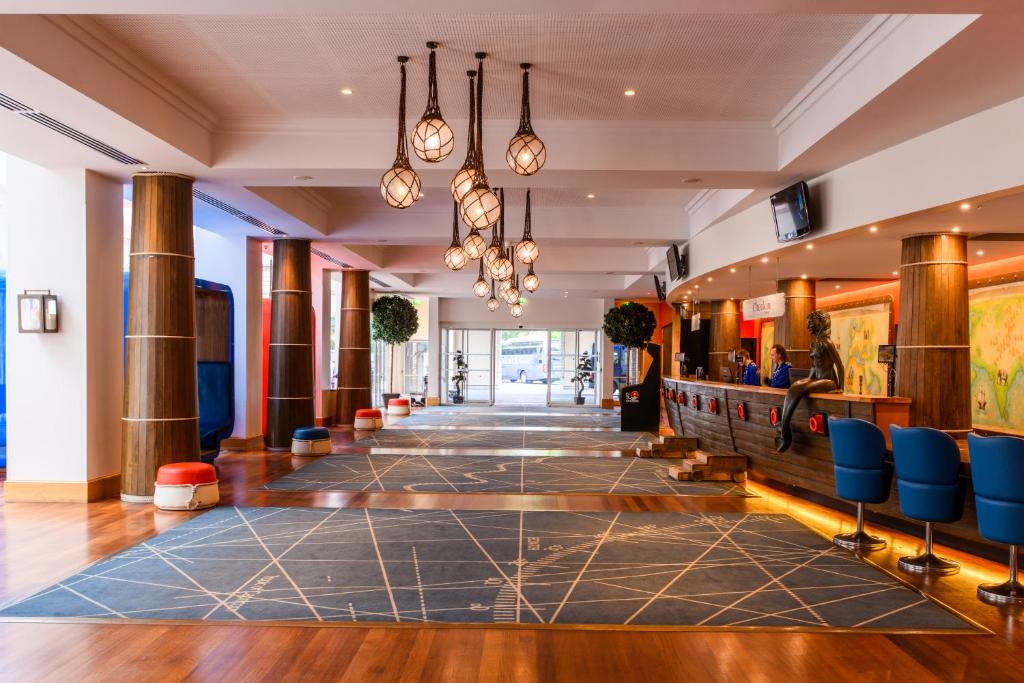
400, 187
503, 287
511, 295
480, 207
455, 257
531, 282
492, 304
501, 268
492, 252
527, 251
481, 288
432, 139
516, 309
462, 183
526, 154
474, 244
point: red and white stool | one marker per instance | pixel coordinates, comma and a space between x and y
368, 418
398, 407
186, 486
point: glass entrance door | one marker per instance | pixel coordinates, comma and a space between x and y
467, 367
574, 352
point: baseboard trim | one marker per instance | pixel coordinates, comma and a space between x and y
247, 443
89, 491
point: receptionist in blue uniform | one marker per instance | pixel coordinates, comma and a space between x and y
751, 374
780, 368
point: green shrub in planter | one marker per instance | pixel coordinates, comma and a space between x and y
394, 320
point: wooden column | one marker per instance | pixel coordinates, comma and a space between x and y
725, 336
791, 327
290, 400
354, 346
160, 421
933, 344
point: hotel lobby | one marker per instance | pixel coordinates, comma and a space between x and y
549, 342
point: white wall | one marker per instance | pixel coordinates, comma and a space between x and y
64, 390
555, 313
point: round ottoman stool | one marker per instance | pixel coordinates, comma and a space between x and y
398, 407
311, 441
186, 486
368, 418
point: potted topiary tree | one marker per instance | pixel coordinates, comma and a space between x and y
631, 325
394, 320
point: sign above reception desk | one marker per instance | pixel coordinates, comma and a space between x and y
771, 306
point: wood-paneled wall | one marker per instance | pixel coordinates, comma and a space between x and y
213, 326
290, 399
933, 344
791, 327
725, 336
354, 347
161, 405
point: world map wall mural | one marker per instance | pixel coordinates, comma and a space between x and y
997, 356
857, 332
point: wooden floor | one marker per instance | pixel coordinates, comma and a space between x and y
41, 543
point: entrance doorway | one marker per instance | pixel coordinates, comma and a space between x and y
522, 362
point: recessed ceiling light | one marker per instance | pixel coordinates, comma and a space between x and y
302, 177
732, 270
803, 277
965, 206
710, 279
590, 196
873, 228
956, 228
895, 272
696, 286
421, 196
837, 286
810, 246
689, 291
346, 91
691, 180
145, 168
629, 93
764, 259
980, 252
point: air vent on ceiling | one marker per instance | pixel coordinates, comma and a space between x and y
237, 213
67, 131
330, 259
379, 283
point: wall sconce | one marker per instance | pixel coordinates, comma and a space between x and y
37, 311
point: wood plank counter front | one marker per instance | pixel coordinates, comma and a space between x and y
710, 412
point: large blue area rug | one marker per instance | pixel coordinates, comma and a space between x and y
491, 438
486, 566
496, 474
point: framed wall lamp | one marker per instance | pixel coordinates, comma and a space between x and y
37, 311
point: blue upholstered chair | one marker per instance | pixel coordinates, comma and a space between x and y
930, 488
861, 472
997, 470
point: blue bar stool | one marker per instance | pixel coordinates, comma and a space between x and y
928, 481
997, 469
862, 474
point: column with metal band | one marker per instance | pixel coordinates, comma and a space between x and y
725, 336
354, 347
791, 327
160, 422
290, 398
933, 339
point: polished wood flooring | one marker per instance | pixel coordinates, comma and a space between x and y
41, 543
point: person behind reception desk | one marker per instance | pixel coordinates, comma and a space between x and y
751, 373
780, 368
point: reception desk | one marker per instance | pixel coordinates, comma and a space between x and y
734, 418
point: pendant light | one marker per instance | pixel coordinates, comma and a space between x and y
464, 179
455, 256
480, 207
512, 293
526, 153
432, 138
516, 310
492, 252
527, 250
531, 282
493, 303
474, 244
400, 186
481, 288
500, 266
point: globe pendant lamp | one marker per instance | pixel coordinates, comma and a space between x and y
512, 293
492, 252
432, 138
493, 303
400, 186
455, 256
527, 250
474, 244
516, 309
526, 153
464, 179
531, 282
481, 288
480, 207
501, 267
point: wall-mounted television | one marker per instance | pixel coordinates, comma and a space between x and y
791, 212
659, 288
677, 267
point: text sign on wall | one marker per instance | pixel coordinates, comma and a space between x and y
771, 306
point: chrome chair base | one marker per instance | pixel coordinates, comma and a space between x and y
858, 540
1008, 593
928, 563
